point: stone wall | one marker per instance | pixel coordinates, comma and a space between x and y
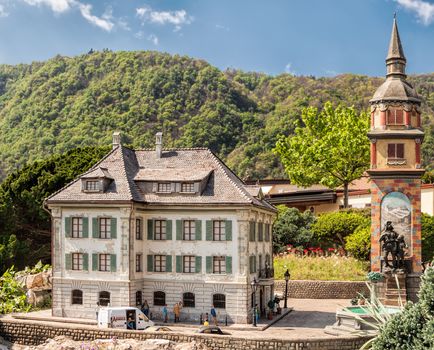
321, 289
35, 333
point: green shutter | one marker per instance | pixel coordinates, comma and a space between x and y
113, 263
198, 264
113, 228
168, 263
209, 264
209, 230
178, 263
228, 264
228, 230
169, 230
85, 227
68, 227
198, 230
85, 262
95, 228
94, 262
68, 261
150, 229
179, 230
150, 263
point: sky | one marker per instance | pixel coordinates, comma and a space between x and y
301, 37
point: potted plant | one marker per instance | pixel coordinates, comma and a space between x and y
374, 278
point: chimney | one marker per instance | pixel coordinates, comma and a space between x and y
158, 143
116, 139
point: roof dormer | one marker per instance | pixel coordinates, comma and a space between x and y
97, 180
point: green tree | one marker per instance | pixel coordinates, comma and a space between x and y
292, 227
334, 227
427, 237
330, 148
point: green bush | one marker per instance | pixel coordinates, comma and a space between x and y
292, 227
12, 294
412, 329
427, 237
358, 244
334, 227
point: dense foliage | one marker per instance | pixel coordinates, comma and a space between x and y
427, 237
330, 148
412, 329
50, 107
358, 243
292, 227
12, 294
24, 224
334, 227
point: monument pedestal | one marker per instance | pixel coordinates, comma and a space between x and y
398, 288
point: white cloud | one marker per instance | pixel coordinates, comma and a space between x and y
424, 10
221, 27
57, 6
139, 34
3, 12
288, 69
154, 39
104, 22
177, 18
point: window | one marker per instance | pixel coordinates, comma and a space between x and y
139, 298
77, 227
395, 150
159, 298
267, 232
252, 261
164, 187
218, 230
160, 229
138, 229
252, 232
260, 232
187, 187
260, 262
395, 117
104, 262
189, 230
92, 185
219, 264
159, 263
219, 301
104, 298
138, 262
77, 261
77, 297
188, 300
189, 264
105, 228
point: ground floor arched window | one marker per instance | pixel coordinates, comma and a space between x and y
77, 297
188, 300
219, 301
159, 298
104, 298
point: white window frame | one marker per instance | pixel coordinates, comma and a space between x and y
77, 261
219, 230
160, 230
104, 228
159, 263
187, 187
188, 263
219, 264
164, 187
104, 262
189, 230
77, 227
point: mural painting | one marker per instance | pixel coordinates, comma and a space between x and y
396, 208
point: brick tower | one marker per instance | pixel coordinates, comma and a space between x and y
395, 172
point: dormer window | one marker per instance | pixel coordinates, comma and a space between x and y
92, 186
164, 187
395, 154
187, 187
395, 117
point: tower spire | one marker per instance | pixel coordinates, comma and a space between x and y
395, 60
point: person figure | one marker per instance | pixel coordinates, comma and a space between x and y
165, 313
97, 310
256, 313
177, 312
402, 246
213, 315
145, 308
390, 244
130, 323
206, 322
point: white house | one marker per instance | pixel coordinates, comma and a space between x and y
163, 226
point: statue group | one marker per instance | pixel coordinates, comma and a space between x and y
393, 245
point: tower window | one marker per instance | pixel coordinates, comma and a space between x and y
395, 150
395, 117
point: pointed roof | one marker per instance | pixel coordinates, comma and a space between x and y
395, 47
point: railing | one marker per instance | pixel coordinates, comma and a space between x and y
266, 273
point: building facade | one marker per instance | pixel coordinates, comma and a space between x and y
396, 137
163, 226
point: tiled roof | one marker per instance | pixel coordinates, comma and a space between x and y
97, 173
131, 170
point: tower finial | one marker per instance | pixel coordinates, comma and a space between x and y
395, 59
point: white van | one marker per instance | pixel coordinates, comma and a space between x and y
123, 318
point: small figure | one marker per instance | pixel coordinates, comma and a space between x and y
214, 315
256, 313
130, 323
145, 308
177, 312
206, 321
165, 313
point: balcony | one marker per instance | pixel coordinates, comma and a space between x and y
266, 273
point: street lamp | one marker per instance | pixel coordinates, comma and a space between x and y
254, 285
287, 276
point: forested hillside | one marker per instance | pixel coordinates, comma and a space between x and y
50, 107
